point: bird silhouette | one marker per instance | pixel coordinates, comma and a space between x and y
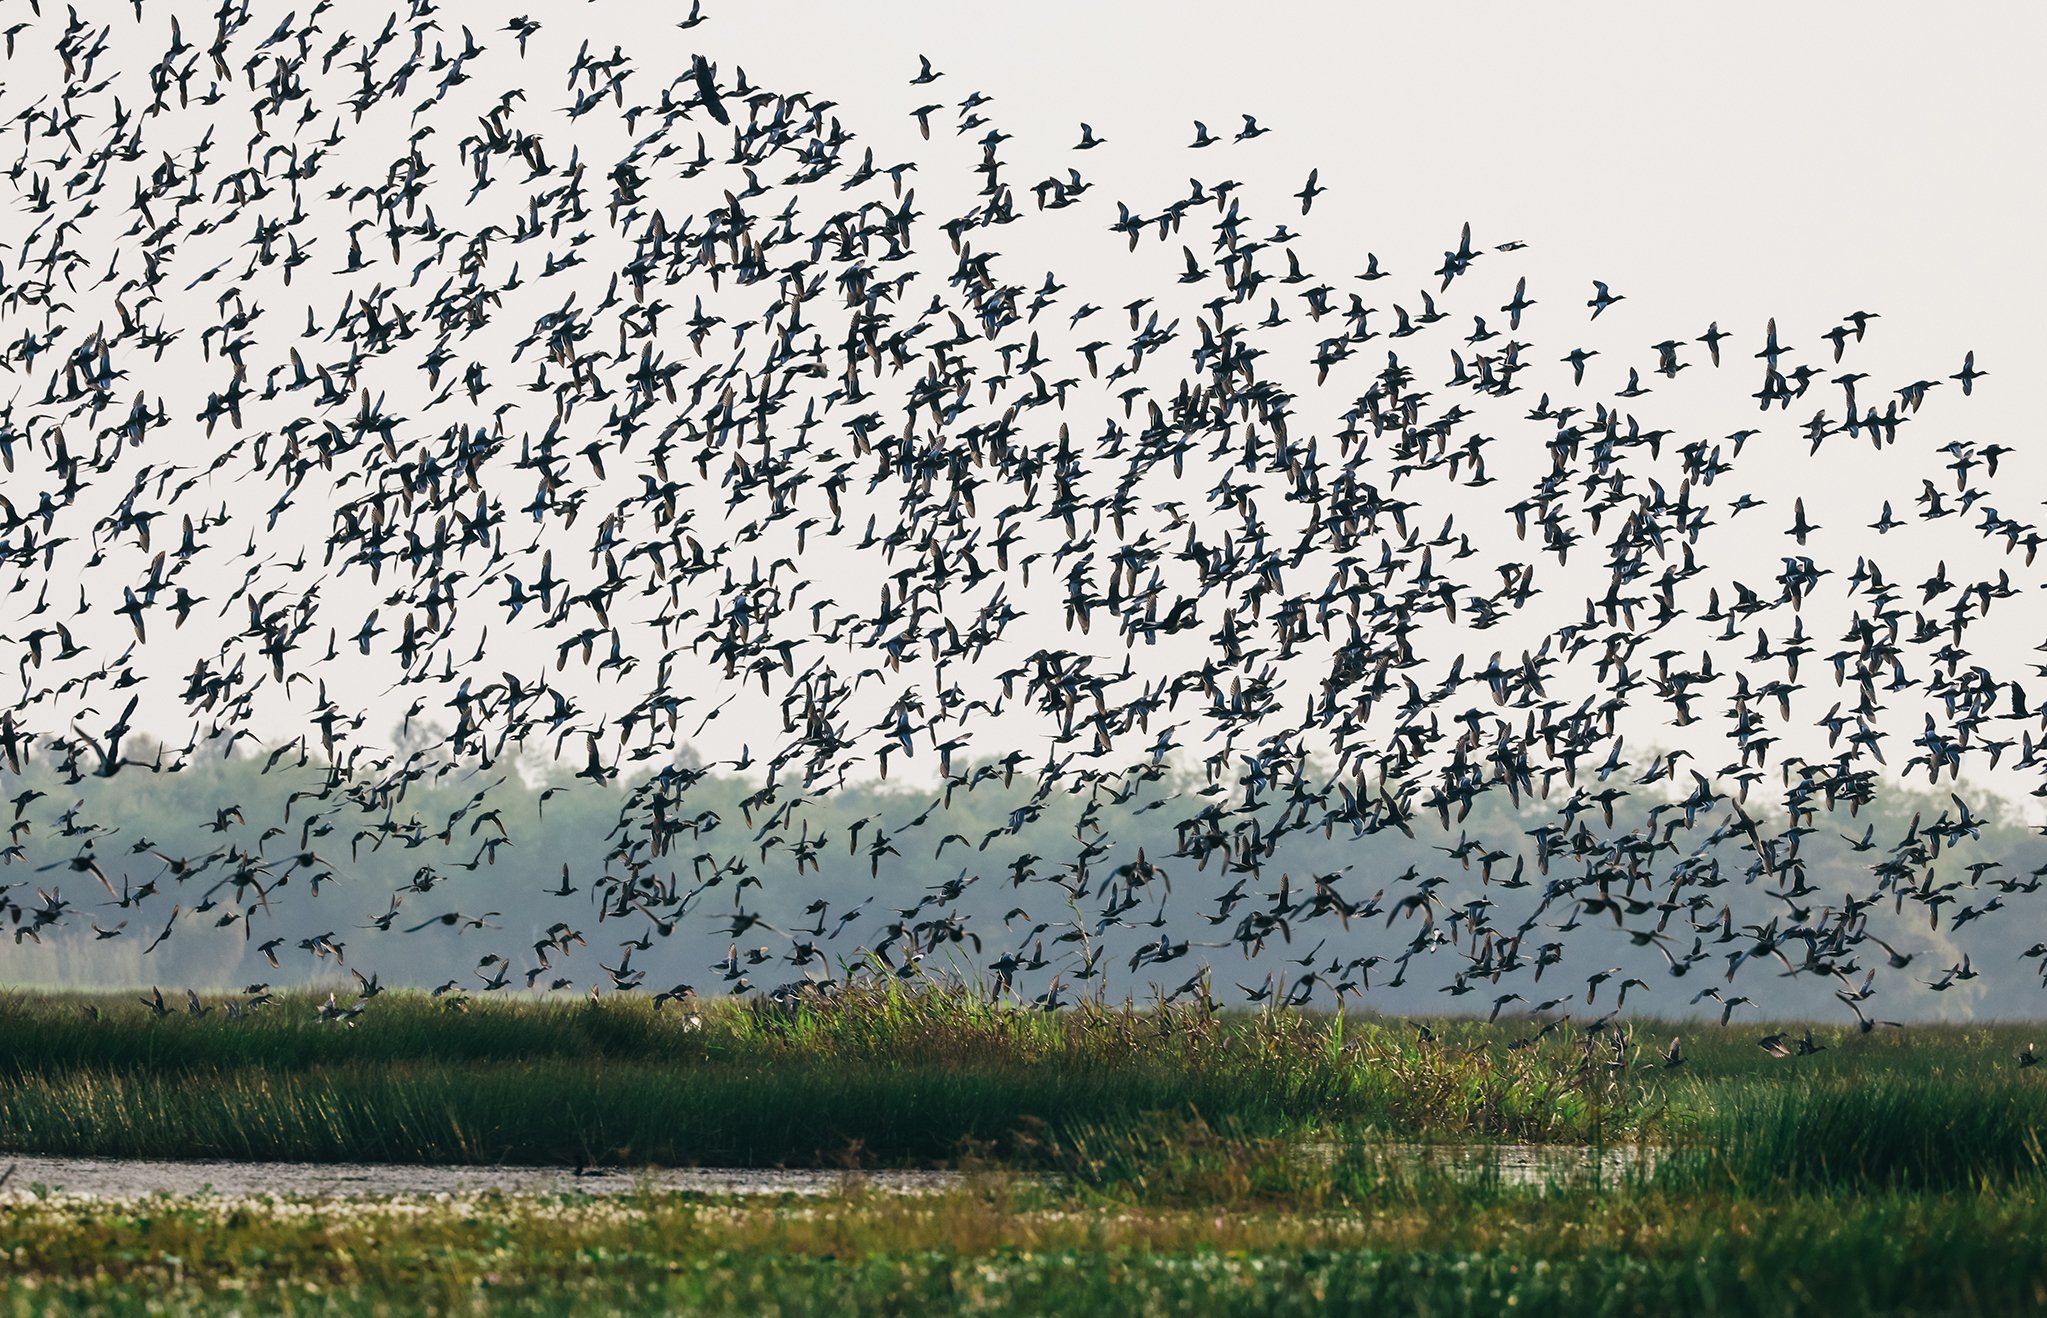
420, 445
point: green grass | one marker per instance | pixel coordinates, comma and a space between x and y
1404, 1246
932, 1075
1883, 1129
1240, 1164
887, 1076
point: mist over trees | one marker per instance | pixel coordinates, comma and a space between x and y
844, 882
677, 494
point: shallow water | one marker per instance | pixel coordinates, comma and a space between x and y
135, 1178
1531, 1164
128, 1178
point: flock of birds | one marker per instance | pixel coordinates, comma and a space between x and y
582, 406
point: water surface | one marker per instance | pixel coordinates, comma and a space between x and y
133, 1178
138, 1178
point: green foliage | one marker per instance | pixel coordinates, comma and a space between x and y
1119, 1161
1436, 1247
896, 1073
886, 1073
1882, 1130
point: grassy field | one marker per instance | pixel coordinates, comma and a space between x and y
931, 1076
1359, 1242
1180, 1164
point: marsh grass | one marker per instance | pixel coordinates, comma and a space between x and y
1155, 1104
1235, 1164
887, 1075
1885, 1130
1439, 1247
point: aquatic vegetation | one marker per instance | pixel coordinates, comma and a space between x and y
931, 1074
1172, 1161
1434, 1246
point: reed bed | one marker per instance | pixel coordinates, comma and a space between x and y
1883, 1130
933, 1074
889, 1075
1242, 1163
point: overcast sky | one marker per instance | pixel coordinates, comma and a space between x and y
1716, 165
1726, 162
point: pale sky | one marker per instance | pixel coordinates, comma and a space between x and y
1712, 166
1723, 165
